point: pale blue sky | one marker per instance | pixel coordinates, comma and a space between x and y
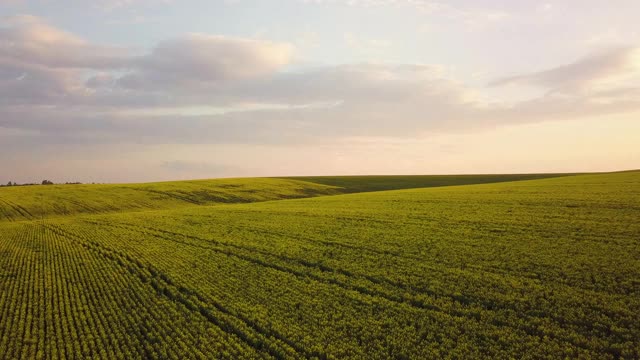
170, 86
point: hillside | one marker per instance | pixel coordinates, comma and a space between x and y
367, 183
541, 269
34, 202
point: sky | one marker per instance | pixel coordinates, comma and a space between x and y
150, 90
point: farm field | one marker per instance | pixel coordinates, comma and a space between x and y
546, 268
35, 202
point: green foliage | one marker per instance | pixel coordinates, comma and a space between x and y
36, 202
541, 269
365, 183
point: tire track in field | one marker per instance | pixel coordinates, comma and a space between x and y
489, 307
279, 234
7, 214
170, 236
165, 287
19, 209
193, 301
492, 271
301, 262
260, 230
169, 194
308, 264
414, 303
83, 206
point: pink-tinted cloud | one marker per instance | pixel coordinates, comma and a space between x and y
30, 40
194, 60
582, 73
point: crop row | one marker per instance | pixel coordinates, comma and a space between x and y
530, 270
393, 297
540, 314
70, 301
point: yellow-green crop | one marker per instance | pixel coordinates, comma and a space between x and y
546, 268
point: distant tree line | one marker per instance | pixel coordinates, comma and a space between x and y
44, 182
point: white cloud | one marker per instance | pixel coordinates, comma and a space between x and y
597, 69
30, 40
43, 65
199, 59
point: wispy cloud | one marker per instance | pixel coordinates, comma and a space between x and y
26, 39
583, 74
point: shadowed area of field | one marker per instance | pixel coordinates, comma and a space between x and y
367, 183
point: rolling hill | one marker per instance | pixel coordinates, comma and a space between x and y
35, 202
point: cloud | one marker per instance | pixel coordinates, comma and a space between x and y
582, 74
352, 83
57, 88
352, 101
199, 59
28, 84
346, 100
30, 40
43, 65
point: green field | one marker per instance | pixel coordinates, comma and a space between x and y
354, 184
541, 269
35, 202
